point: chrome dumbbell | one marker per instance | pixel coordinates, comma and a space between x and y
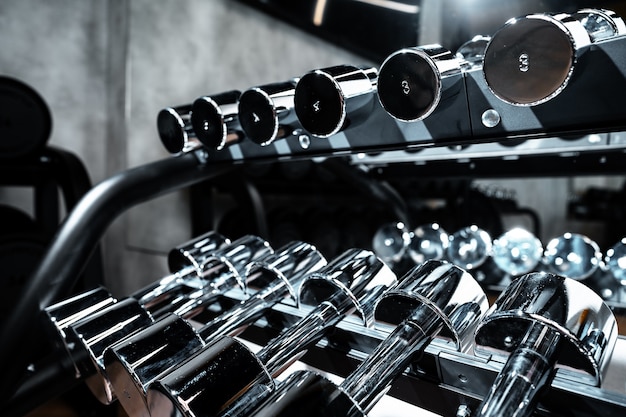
67, 312
331, 99
517, 252
90, 337
531, 59
209, 381
391, 241
615, 261
412, 82
267, 112
137, 361
541, 321
435, 299
573, 256
469, 247
175, 130
428, 242
215, 120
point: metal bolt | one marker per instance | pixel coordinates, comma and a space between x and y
463, 411
490, 118
305, 141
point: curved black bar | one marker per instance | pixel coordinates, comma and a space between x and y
74, 243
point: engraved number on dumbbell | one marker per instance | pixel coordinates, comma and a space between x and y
316, 106
406, 89
255, 118
524, 62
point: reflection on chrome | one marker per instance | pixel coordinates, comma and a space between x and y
517, 252
544, 320
573, 256
428, 242
615, 261
390, 242
469, 247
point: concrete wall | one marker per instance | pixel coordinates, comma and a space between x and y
107, 67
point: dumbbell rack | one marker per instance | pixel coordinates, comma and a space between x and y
443, 381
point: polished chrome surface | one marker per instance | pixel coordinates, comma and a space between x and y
410, 80
573, 256
601, 23
215, 121
186, 263
274, 278
136, 362
175, 130
288, 266
420, 302
305, 394
586, 324
351, 281
94, 334
65, 313
357, 273
235, 258
615, 261
133, 364
428, 242
330, 99
529, 369
101, 330
517, 251
203, 385
267, 112
193, 252
430, 298
469, 247
451, 293
390, 242
531, 59
472, 52
373, 377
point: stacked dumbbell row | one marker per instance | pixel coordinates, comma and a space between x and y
514, 253
521, 80
149, 357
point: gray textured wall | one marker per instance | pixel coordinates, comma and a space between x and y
107, 67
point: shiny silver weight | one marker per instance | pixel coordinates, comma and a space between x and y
137, 361
329, 100
469, 247
615, 261
61, 315
472, 52
206, 383
413, 81
428, 242
531, 59
539, 323
391, 241
573, 256
267, 112
435, 299
221, 270
517, 252
194, 251
215, 120
175, 130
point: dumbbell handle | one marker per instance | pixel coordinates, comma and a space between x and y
246, 311
528, 369
283, 350
390, 358
147, 295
